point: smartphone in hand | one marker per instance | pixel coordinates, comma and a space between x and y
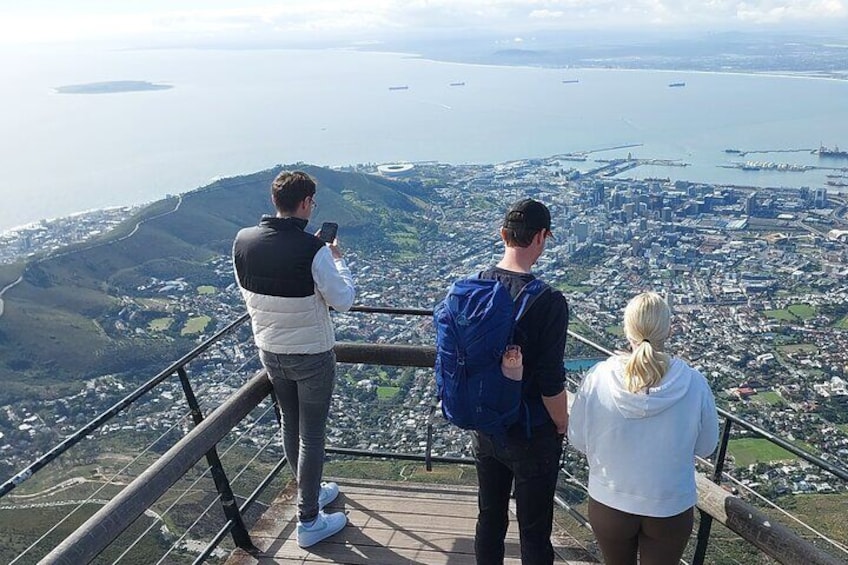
328, 232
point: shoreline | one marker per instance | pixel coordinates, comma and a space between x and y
775, 74
5, 232
35, 223
367, 48
457, 70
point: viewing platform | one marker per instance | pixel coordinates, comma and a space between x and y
218, 490
391, 522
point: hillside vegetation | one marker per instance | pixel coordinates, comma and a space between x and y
58, 323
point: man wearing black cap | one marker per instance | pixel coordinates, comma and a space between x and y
530, 461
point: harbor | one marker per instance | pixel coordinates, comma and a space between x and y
743, 153
827, 152
836, 179
830, 156
769, 166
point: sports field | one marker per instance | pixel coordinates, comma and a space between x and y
751, 450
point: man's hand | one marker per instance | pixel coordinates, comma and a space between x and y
335, 250
557, 407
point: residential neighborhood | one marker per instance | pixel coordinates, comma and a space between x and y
756, 280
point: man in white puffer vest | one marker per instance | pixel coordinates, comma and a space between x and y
289, 278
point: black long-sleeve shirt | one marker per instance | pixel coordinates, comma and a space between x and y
541, 334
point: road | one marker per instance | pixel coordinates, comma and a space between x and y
54, 256
8, 287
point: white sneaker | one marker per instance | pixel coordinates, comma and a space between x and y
328, 493
320, 529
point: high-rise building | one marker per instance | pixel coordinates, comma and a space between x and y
616, 199
636, 246
598, 193
751, 204
581, 231
820, 200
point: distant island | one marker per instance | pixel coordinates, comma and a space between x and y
111, 87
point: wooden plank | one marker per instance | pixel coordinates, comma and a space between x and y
402, 520
392, 487
461, 496
400, 539
411, 506
308, 561
391, 523
369, 553
453, 498
462, 542
315, 560
452, 542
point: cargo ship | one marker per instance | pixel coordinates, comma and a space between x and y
457, 84
673, 84
570, 80
835, 152
399, 87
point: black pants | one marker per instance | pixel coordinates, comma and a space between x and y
533, 464
621, 535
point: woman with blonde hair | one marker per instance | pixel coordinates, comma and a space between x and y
641, 418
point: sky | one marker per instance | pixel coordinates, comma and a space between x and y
187, 21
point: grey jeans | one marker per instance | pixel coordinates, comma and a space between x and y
303, 386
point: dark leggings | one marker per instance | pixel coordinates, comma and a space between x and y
658, 541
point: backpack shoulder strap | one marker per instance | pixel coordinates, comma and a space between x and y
528, 295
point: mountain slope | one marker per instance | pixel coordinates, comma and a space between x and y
59, 323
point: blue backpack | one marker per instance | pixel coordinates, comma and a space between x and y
474, 324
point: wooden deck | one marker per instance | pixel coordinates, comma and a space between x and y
390, 523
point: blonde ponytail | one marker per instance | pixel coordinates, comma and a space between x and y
647, 321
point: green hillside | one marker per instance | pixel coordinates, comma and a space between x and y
58, 323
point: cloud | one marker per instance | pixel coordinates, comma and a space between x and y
546, 14
361, 19
772, 12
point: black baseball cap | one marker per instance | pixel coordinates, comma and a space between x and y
528, 214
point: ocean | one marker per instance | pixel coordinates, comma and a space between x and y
239, 111
579, 365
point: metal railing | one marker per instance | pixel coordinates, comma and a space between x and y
784, 544
116, 409
102, 528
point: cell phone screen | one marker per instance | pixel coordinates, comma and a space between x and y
329, 231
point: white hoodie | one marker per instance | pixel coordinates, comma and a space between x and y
641, 447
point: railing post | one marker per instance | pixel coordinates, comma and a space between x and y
706, 521
428, 451
222, 484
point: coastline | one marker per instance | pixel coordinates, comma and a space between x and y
130, 207
802, 74
572, 70
152, 173
97, 210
